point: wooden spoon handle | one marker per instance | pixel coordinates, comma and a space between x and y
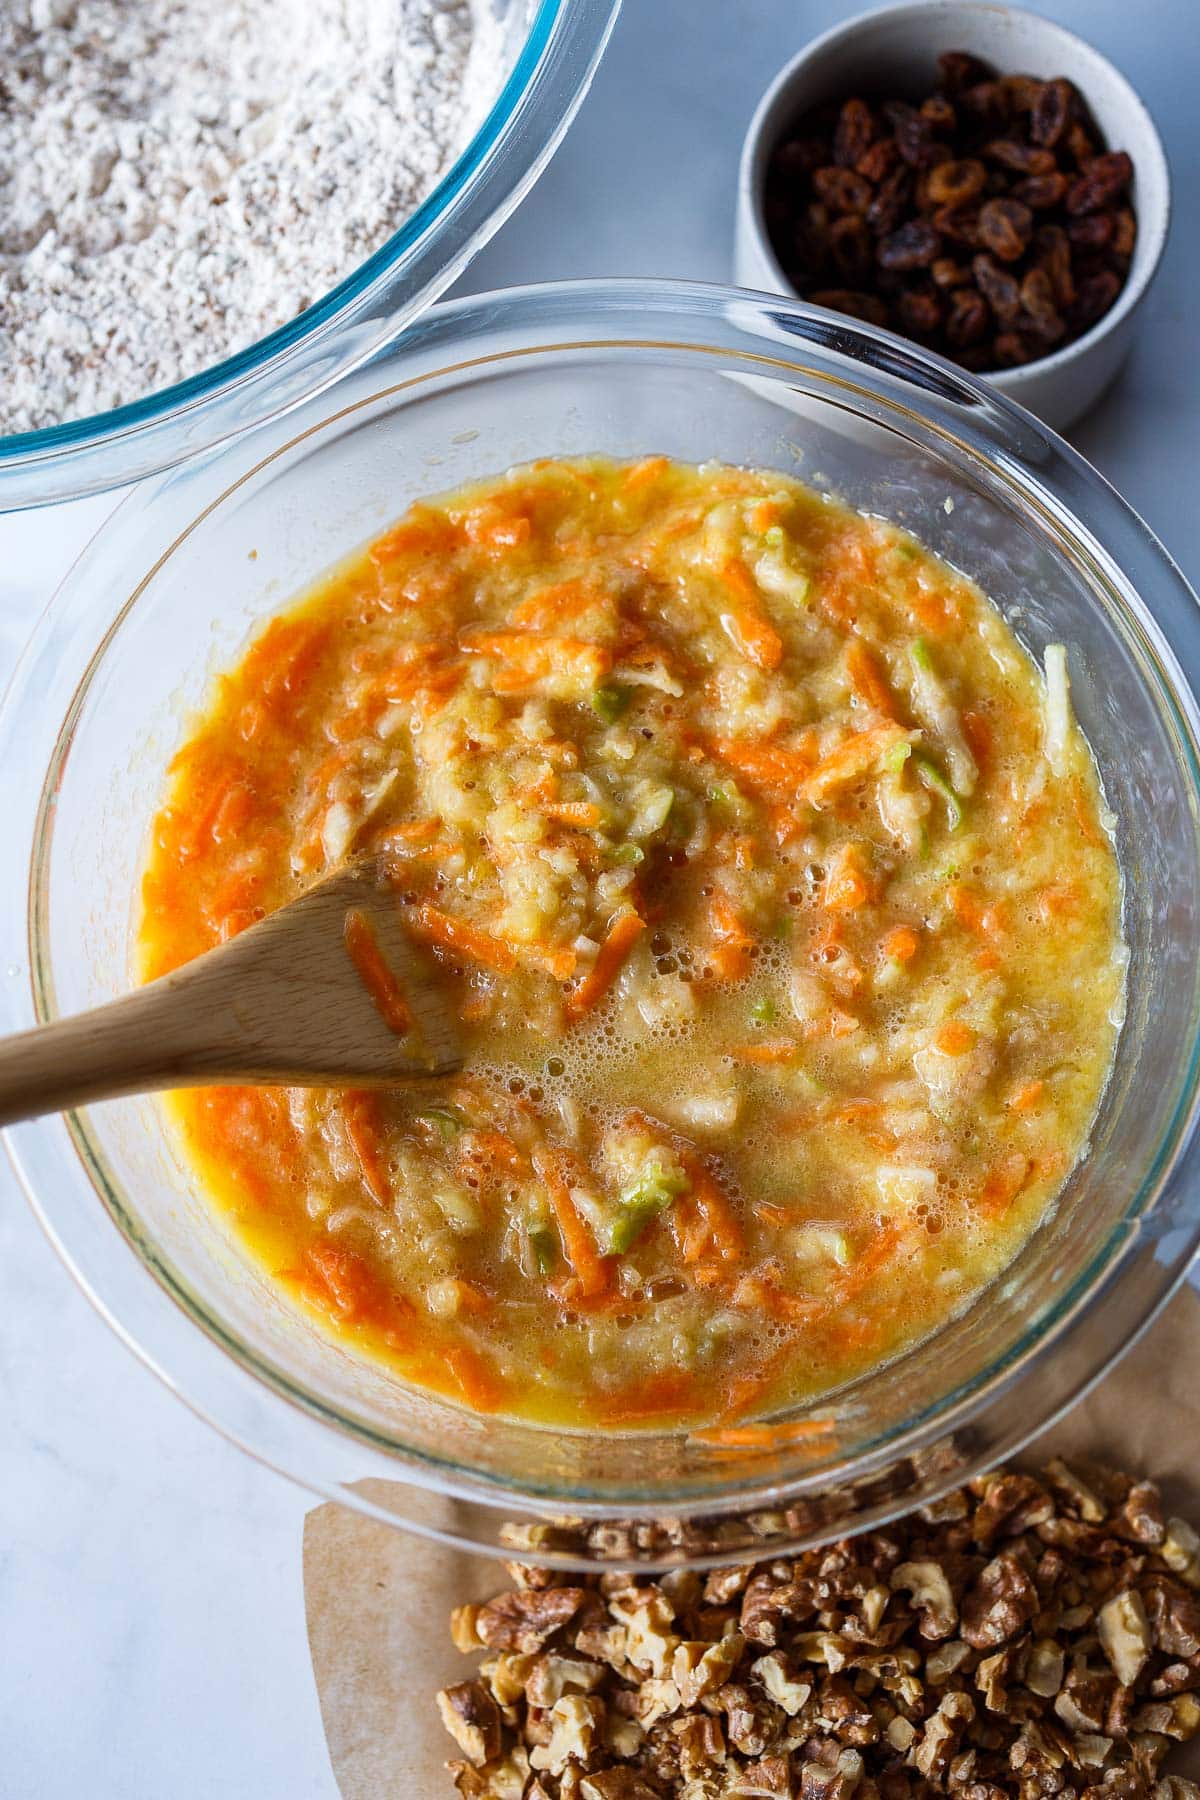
280, 1004
130, 1046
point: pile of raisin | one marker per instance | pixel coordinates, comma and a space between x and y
989, 221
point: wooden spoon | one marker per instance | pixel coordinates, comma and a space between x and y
328, 991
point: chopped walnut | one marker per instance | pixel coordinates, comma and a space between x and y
943, 1734
1125, 1634
506, 1675
462, 1629
551, 1676
1065, 1481
768, 1778
657, 1699
525, 1620
1044, 1668
1140, 1515
616, 1784
472, 1718
1001, 1602
782, 1683
647, 1616
1024, 1639
1010, 1503
576, 1722
1181, 1551
700, 1668
932, 1596
1174, 1618
945, 1660
505, 1779
701, 1743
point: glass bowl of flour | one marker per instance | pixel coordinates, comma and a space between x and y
208, 214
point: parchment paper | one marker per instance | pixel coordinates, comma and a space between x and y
378, 1600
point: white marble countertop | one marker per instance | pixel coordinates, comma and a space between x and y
151, 1613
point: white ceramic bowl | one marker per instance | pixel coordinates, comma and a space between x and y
895, 50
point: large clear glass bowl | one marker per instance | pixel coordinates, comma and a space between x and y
168, 593
549, 50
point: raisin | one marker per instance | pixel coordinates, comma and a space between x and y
959, 223
1081, 146
1011, 351
1054, 255
1052, 112
879, 160
850, 249
855, 132
858, 305
890, 203
912, 246
1093, 231
986, 216
1099, 183
998, 288
954, 183
919, 311
1096, 294
968, 318
1041, 192
1021, 91
986, 104
949, 274
1005, 228
1025, 159
958, 69
1037, 299
939, 114
914, 135
842, 190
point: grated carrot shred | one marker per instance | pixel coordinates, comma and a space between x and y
364, 1128
853, 758
438, 928
622, 935
374, 972
715, 1209
847, 885
746, 625
765, 1436
645, 473
867, 681
476, 1378
579, 1247
527, 657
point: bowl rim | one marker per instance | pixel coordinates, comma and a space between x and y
585, 304
1156, 224
492, 172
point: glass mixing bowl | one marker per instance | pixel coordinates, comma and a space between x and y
190, 562
550, 50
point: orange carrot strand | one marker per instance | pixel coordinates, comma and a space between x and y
374, 972
622, 936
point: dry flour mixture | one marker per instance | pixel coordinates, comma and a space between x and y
178, 177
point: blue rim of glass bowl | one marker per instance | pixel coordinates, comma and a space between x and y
540, 97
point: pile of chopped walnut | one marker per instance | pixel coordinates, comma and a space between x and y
1025, 1636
